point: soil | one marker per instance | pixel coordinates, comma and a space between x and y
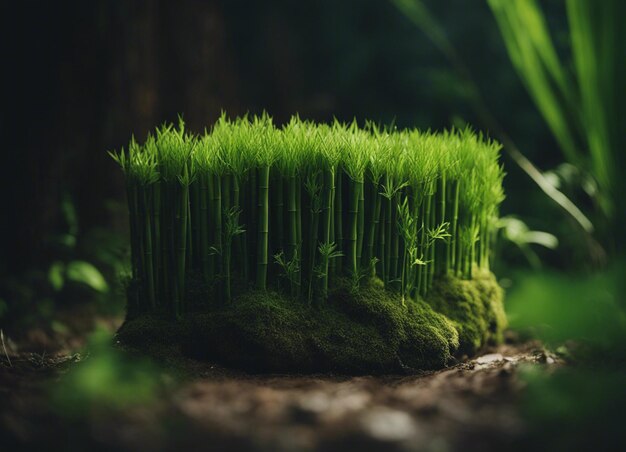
473, 405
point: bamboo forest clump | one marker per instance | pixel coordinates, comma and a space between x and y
297, 210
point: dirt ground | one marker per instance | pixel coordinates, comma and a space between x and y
473, 405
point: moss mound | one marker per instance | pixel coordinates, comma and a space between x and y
474, 306
367, 332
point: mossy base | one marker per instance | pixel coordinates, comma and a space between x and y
368, 332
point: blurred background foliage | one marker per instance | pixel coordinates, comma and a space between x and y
86, 75
544, 77
106, 380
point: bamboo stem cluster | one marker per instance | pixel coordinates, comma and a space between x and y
294, 208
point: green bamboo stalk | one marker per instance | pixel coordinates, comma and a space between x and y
148, 257
374, 224
388, 232
332, 265
211, 225
189, 246
459, 265
414, 266
232, 230
339, 219
313, 240
278, 215
486, 242
203, 215
381, 246
194, 238
481, 240
353, 220
240, 242
404, 225
226, 192
431, 258
183, 222
454, 262
327, 220
292, 212
173, 247
166, 245
449, 198
156, 225
217, 215
361, 224
395, 241
422, 247
244, 187
236, 191
252, 223
443, 249
263, 240
472, 254
299, 226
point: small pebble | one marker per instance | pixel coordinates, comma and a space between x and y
490, 358
386, 424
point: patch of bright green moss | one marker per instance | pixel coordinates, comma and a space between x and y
368, 331
475, 306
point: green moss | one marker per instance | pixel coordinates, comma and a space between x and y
148, 331
261, 331
363, 332
475, 306
418, 336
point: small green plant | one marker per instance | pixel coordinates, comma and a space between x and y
327, 201
232, 229
328, 252
291, 269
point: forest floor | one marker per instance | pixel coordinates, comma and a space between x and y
473, 405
